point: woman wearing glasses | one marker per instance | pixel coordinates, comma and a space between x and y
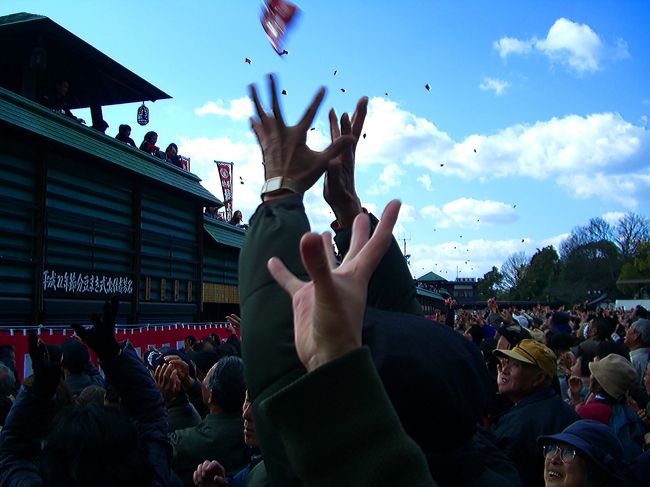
585, 454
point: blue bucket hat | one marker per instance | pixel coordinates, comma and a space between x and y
594, 440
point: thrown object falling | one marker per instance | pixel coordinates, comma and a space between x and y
284, 92
277, 18
427, 87
247, 61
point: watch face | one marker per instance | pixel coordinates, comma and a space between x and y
273, 184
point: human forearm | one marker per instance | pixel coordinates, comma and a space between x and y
391, 285
360, 441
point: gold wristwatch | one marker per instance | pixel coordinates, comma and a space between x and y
277, 184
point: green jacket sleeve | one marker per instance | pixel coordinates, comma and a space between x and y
267, 338
339, 428
391, 286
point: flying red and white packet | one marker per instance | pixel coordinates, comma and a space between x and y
277, 17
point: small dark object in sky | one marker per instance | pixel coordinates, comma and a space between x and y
247, 61
343, 90
475, 151
386, 94
241, 182
522, 240
284, 92
434, 229
427, 87
284, 52
441, 165
336, 71
364, 136
313, 128
454, 248
514, 206
478, 220
461, 236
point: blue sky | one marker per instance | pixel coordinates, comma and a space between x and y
553, 96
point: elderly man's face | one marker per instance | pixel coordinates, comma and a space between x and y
517, 379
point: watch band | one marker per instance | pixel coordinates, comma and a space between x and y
277, 184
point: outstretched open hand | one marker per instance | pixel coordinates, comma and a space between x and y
100, 338
339, 190
328, 311
284, 148
47, 373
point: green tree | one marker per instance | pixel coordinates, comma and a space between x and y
490, 285
588, 268
541, 274
638, 268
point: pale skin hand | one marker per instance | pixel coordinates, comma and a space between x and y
234, 322
166, 377
339, 190
328, 311
209, 474
284, 148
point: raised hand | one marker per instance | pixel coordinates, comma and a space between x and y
168, 382
328, 311
339, 190
284, 148
182, 370
209, 474
101, 336
47, 373
234, 322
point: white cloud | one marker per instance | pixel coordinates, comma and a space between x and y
407, 213
425, 179
499, 86
470, 259
612, 217
470, 213
238, 109
572, 44
388, 178
570, 151
511, 45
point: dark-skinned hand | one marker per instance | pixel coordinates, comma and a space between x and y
284, 148
339, 189
100, 338
47, 373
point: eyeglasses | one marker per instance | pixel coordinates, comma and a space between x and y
567, 455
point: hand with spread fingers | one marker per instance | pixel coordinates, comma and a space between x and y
101, 336
47, 373
339, 190
284, 148
328, 311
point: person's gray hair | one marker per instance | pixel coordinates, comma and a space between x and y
642, 327
7, 380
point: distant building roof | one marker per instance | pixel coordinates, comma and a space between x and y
224, 233
429, 294
431, 277
37, 51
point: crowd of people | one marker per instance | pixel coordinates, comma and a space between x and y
337, 378
60, 101
236, 220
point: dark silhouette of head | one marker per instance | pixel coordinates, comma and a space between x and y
94, 445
